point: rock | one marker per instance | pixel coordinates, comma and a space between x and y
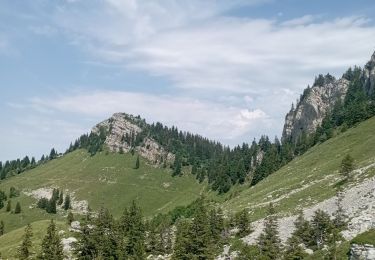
313, 107
362, 252
68, 246
309, 251
121, 125
75, 225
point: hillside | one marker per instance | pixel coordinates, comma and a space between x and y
106, 179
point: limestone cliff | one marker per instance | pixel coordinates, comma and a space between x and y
121, 131
309, 112
316, 101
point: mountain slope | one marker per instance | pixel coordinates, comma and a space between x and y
311, 177
106, 179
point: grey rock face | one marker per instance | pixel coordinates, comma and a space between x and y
120, 125
369, 76
312, 108
362, 252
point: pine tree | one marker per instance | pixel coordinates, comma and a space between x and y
322, 227
347, 166
243, 223
137, 163
51, 245
17, 210
269, 241
183, 242
200, 233
51, 206
67, 204
177, 166
24, 251
2, 230
135, 232
303, 230
339, 216
216, 224
294, 250
9, 206
61, 198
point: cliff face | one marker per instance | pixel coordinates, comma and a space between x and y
369, 76
313, 106
120, 127
316, 101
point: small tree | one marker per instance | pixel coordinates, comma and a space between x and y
61, 198
17, 210
1, 228
243, 223
9, 206
67, 204
24, 251
137, 163
347, 166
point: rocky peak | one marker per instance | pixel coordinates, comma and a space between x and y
316, 101
122, 130
368, 76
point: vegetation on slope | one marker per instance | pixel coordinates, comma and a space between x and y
310, 178
108, 180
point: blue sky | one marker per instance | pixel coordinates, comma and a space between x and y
228, 70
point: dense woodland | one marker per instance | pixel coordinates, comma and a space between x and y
202, 236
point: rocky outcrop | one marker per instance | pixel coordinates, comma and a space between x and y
316, 101
313, 106
369, 76
122, 129
362, 252
117, 127
154, 152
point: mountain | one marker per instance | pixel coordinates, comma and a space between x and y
317, 101
126, 161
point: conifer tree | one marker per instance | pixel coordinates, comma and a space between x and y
269, 241
182, 245
67, 202
322, 227
51, 245
9, 206
61, 198
243, 223
294, 250
347, 166
135, 232
24, 251
199, 233
2, 229
137, 163
17, 210
216, 223
303, 230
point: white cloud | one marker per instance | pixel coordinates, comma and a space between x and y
225, 123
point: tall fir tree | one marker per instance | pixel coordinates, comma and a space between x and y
52, 247
24, 251
269, 241
17, 210
2, 228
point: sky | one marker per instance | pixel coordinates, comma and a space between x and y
227, 70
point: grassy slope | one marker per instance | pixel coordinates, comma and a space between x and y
10, 241
105, 179
322, 161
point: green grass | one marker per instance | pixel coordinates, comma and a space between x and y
320, 164
367, 237
105, 179
10, 241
